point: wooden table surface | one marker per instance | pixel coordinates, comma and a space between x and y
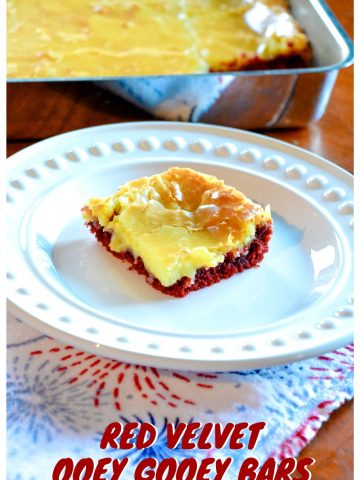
39, 110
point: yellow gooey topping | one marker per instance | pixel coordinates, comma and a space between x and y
232, 33
177, 221
81, 38
88, 38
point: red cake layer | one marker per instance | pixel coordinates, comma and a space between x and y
204, 277
286, 61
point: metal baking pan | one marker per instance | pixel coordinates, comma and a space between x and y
252, 99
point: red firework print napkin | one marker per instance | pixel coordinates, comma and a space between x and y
60, 399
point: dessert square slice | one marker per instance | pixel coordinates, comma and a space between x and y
181, 229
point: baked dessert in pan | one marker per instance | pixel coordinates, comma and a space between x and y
109, 38
183, 230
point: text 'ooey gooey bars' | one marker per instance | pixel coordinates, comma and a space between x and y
181, 229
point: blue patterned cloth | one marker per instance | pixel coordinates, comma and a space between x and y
60, 400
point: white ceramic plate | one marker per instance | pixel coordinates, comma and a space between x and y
296, 305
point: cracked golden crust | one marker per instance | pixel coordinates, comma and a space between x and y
185, 198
